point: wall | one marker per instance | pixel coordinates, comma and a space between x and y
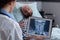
52, 7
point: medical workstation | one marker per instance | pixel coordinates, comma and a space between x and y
32, 20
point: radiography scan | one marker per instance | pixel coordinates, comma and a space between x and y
39, 27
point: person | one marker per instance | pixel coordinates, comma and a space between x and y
9, 28
27, 12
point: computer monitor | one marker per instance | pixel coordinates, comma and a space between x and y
39, 27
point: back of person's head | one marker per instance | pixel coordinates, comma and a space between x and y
4, 3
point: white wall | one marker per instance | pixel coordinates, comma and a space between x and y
52, 7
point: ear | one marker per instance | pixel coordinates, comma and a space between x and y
11, 3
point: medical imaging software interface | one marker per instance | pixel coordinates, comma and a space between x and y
39, 27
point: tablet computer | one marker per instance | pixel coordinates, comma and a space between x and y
39, 27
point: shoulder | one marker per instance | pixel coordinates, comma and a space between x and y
8, 22
8, 26
7, 19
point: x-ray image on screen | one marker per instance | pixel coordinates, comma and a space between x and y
39, 27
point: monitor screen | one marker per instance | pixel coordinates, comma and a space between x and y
39, 27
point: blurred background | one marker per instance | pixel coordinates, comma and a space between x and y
47, 8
